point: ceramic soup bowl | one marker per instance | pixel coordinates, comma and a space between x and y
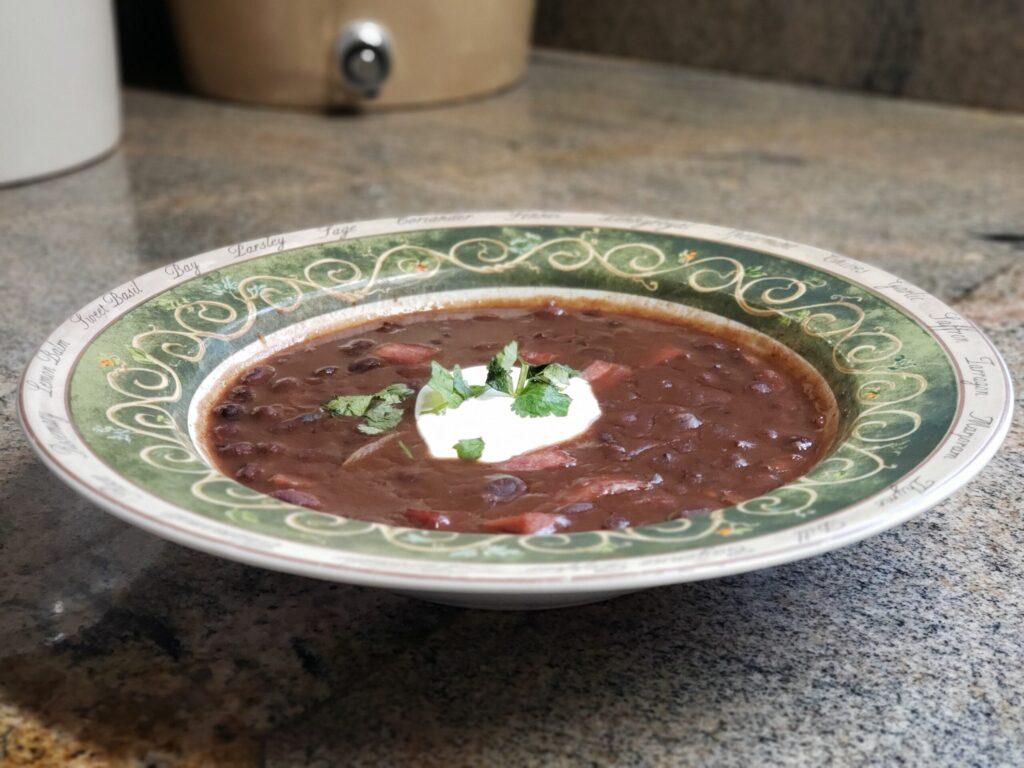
111, 400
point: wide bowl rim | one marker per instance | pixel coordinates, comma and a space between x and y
841, 528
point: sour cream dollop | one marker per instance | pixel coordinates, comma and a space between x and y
491, 418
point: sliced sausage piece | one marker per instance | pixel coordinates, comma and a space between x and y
537, 357
405, 354
527, 523
591, 488
281, 480
661, 355
428, 518
370, 448
601, 374
545, 458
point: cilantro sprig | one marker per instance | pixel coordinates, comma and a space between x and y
536, 390
380, 412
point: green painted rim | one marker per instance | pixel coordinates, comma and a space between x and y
132, 386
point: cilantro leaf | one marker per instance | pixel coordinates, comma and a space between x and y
464, 390
380, 411
381, 417
499, 369
443, 383
556, 374
470, 449
539, 398
349, 405
394, 393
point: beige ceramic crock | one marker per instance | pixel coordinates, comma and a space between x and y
352, 53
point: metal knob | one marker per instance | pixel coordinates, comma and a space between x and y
363, 55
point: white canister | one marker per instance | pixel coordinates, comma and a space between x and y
60, 102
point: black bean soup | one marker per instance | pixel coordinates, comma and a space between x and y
692, 420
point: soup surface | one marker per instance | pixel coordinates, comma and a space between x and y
690, 420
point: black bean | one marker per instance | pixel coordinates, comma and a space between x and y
249, 471
269, 448
575, 509
241, 394
257, 374
327, 370
801, 443
770, 433
616, 523
236, 449
388, 327
297, 421
761, 387
667, 457
268, 411
287, 382
503, 488
230, 411
687, 420
301, 498
707, 346
365, 364
356, 347
551, 309
709, 378
222, 431
745, 445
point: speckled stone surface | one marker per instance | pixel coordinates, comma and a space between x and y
119, 649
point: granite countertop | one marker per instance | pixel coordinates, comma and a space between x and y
117, 648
